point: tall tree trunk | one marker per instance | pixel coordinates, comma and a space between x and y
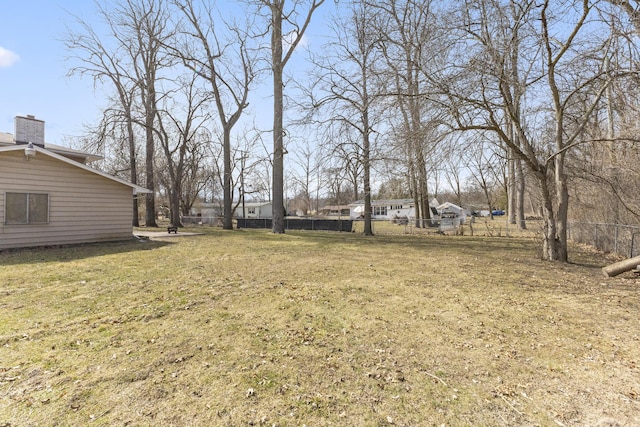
279, 59
133, 167
415, 193
562, 195
366, 160
511, 186
278, 111
174, 206
423, 192
356, 192
516, 175
520, 189
417, 134
177, 176
150, 198
229, 84
227, 222
549, 240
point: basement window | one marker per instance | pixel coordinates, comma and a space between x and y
26, 208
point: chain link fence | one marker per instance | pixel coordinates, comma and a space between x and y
201, 220
623, 240
620, 239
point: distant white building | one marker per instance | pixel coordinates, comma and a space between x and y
206, 210
208, 213
390, 208
336, 211
254, 210
203, 213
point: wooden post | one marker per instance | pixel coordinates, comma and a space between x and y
620, 267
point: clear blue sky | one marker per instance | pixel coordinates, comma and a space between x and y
33, 67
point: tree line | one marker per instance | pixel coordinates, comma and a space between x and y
530, 103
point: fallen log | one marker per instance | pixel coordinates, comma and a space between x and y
621, 266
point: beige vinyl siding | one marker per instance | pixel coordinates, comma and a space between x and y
83, 206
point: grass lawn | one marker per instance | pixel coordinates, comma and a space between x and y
245, 327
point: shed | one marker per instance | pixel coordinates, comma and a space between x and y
49, 199
451, 216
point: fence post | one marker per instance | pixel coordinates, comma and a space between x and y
633, 237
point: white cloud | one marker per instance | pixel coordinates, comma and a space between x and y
290, 37
7, 57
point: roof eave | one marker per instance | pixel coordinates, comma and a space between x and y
136, 188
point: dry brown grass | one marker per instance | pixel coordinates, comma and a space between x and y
250, 328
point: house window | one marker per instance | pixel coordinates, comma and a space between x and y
26, 208
380, 211
396, 207
251, 211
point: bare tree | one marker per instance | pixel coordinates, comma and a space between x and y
631, 8
454, 168
224, 61
306, 179
146, 24
563, 66
177, 137
348, 153
603, 170
410, 47
106, 61
196, 174
346, 86
486, 166
246, 164
290, 24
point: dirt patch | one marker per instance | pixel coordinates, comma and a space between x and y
163, 234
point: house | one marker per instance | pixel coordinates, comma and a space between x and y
51, 197
390, 208
208, 213
338, 210
254, 210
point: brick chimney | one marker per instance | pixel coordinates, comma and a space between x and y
29, 130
